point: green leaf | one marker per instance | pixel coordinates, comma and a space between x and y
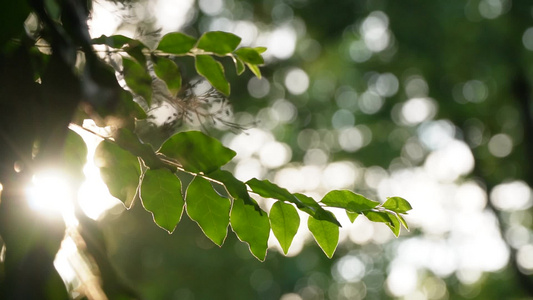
168, 71
285, 222
378, 216
110, 99
119, 169
260, 50
129, 108
402, 221
326, 235
161, 195
234, 187
218, 42
255, 70
136, 51
113, 41
352, 216
395, 225
208, 209
397, 204
268, 189
197, 152
213, 71
138, 79
349, 201
384, 217
239, 65
310, 206
75, 154
250, 55
125, 109
251, 226
176, 43
129, 141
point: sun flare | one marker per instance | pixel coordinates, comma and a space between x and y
51, 193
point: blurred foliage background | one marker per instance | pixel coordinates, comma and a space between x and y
427, 100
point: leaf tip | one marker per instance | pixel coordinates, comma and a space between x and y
259, 256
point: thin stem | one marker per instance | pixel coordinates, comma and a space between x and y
90, 131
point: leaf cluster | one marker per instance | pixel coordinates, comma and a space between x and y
166, 196
214, 199
175, 44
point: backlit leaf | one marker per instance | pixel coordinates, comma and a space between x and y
390, 219
255, 70
218, 42
403, 221
213, 71
176, 43
397, 204
129, 108
168, 71
326, 235
395, 225
113, 41
125, 108
349, 201
138, 79
75, 154
234, 187
136, 51
310, 206
239, 65
251, 226
352, 216
110, 99
250, 55
260, 49
285, 222
197, 152
128, 140
161, 195
208, 209
268, 189
378, 216
119, 169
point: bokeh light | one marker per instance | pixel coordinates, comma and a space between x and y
416, 86
211, 7
500, 145
491, 9
172, 14
417, 110
281, 42
258, 88
349, 269
527, 38
525, 258
515, 195
296, 81
370, 102
375, 32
